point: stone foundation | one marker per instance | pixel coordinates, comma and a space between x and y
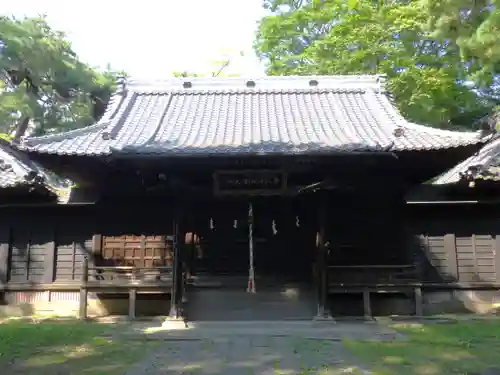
461, 301
66, 304
17, 304
434, 303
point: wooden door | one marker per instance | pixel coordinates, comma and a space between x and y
137, 250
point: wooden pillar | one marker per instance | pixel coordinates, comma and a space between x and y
132, 302
177, 277
367, 305
4, 255
419, 309
496, 254
84, 289
322, 262
96, 251
450, 249
192, 254
50, 258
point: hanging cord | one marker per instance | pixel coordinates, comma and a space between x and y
251, 270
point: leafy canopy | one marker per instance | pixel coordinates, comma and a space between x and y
473, 26
43, 82
426, 75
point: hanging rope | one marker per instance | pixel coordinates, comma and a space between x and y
251, 271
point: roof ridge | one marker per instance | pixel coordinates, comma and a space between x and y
148, 90
256, 83
32, 141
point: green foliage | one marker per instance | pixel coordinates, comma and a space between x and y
473, 26
425, 75
42, 78
6, 137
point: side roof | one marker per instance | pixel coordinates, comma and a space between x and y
484, 164
13, 172
18, 171
272, 115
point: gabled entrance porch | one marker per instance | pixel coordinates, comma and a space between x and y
252, 258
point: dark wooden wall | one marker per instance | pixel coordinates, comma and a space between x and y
448, 242
455, 242
366, 231
48, 244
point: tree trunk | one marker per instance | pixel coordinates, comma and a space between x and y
21, 128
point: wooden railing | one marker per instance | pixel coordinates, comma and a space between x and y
372, 274
130, 275
120, 280
367, 279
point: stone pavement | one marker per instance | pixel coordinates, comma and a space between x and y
258, 348
315, 330
252, 355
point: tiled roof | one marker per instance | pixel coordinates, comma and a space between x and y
13, 172
485, 164
296, 115
17, 170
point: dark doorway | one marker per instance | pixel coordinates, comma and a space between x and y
283, 235
221, 245
284, 239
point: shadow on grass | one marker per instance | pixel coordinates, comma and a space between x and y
67, 347
461, 348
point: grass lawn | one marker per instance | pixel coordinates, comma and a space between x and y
461, 348
67, 347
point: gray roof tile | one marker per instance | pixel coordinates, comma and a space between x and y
484, 164
13, 172
17, 170
277, 115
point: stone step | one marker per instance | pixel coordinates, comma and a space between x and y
270, 303
215, 330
